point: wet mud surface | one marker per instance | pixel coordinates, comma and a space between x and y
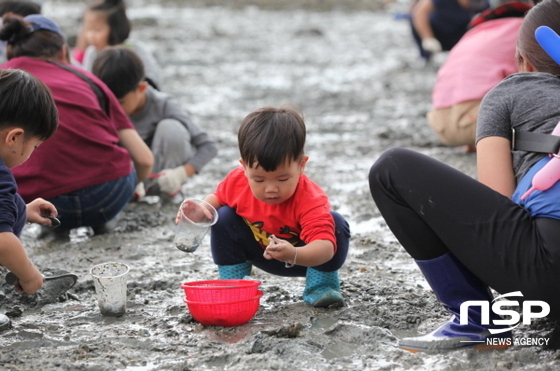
356, 76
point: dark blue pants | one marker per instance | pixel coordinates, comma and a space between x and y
94, 206
232, 242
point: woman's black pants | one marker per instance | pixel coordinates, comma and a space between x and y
432, 208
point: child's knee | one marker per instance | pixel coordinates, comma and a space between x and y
172, 131
229, 223
226, 213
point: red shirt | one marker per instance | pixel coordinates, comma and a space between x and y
84, 151
304, 216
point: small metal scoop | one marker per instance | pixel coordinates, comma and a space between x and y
11, 278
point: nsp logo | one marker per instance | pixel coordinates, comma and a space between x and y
498, 308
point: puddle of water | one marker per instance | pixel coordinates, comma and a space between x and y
323, 323
338, 349
231, 335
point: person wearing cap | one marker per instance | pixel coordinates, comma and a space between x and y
92, 164
23, 8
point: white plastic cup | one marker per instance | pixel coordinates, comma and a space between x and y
110, 285
196, 218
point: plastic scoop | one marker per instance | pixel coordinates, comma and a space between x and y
53, 287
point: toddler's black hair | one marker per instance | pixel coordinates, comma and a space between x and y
270, 137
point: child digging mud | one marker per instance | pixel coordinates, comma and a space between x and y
29, 117
273, 216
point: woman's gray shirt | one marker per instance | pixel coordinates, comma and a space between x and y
528, 101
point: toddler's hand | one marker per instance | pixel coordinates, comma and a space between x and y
279, 249
271, 242
194, 211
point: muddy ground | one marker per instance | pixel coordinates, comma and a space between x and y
352, 68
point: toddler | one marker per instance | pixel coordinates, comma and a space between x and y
273, 216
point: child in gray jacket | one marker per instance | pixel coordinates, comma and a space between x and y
180, 147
